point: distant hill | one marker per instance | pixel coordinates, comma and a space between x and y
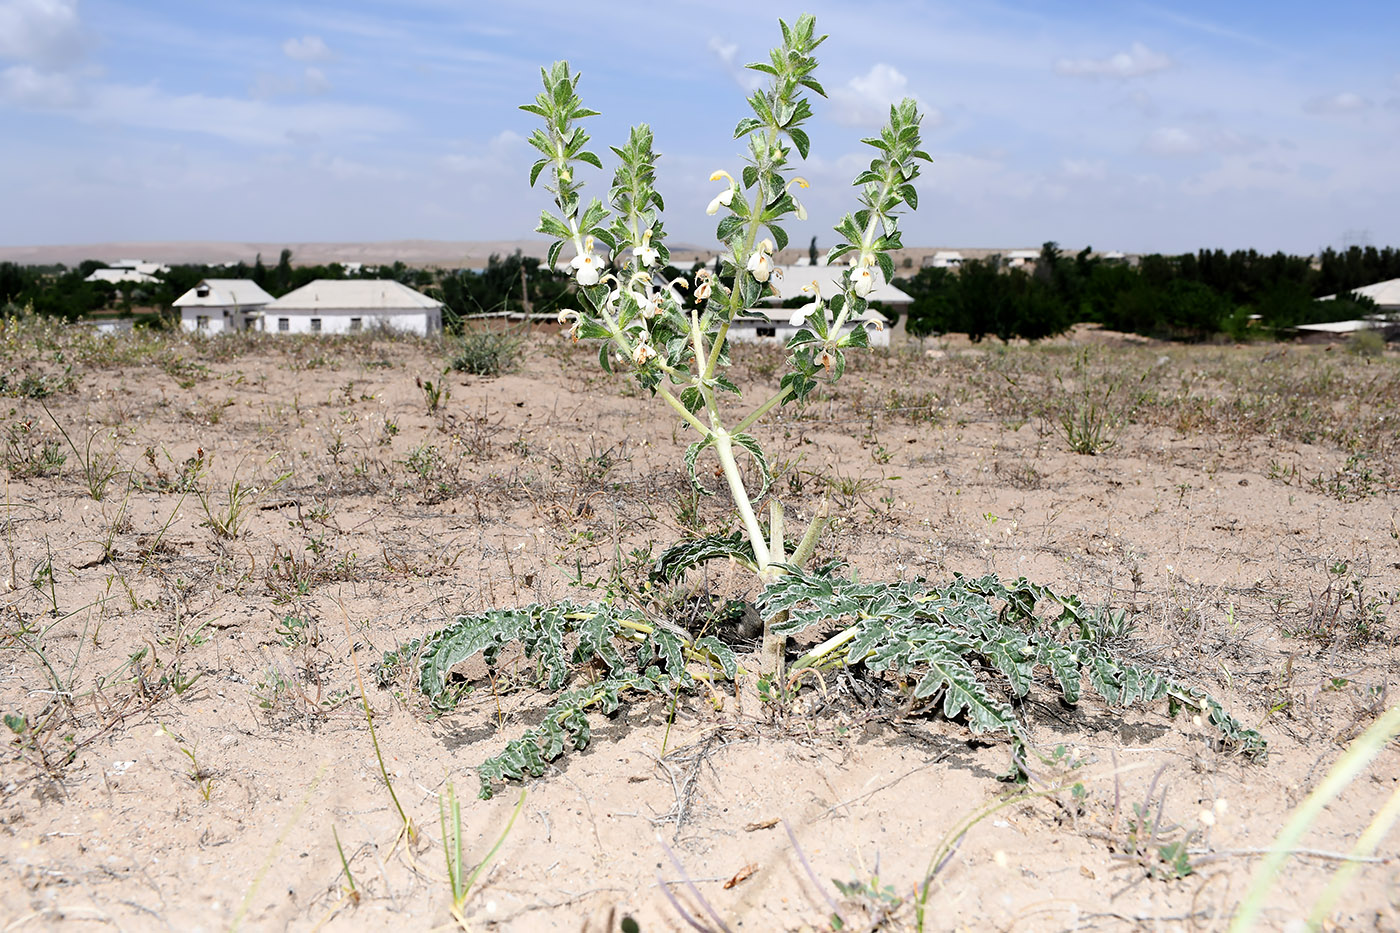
421, 253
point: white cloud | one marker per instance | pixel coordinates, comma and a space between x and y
316, 81
727, 53
1336, 104
27, 87
1173, 141
312, 81
306, 49
43, 32
251, 122
1084, 169
865, 100
1139, 60
501, 156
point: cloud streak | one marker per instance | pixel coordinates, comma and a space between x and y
307, 49
1136, 62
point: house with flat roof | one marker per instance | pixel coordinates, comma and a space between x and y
350, 306
218, 306
946, 259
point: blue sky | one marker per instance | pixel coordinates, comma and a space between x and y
1135, 126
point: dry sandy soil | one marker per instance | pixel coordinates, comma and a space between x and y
195, 742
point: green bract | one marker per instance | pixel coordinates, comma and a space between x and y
943, 640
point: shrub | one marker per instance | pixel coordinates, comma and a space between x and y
1366, 343
483, 352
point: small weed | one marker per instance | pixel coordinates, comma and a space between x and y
435, 394
461, 882
26, 455
226, 518
98, 469
201, 777
1088, 427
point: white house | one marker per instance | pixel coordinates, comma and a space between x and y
774, 325
1020, 258
349, 306
143, 266
217, 306
118, 276
946, 259
1386, 295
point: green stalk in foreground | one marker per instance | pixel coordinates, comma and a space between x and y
1353, 761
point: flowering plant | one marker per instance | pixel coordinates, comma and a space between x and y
680, 356
941, 639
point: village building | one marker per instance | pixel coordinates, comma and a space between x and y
946, 259
774, 324
218, 306
350, 306
1386, 320
1021, 258
122, 276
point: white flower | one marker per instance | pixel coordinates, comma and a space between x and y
702, 285
570, 317
646, 253
798, 210
826, 358
642, 352
724, 197
876, 321
588, 268
761, 262
799, 317
862, 280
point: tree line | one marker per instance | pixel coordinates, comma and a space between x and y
1192, 296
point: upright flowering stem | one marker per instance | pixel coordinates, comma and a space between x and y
678, 355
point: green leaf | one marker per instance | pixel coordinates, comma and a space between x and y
760, 460
747, 126
691, 553
691, 453
801, 140
721, 653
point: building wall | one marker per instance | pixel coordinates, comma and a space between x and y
743, 331
421, 322
219, 320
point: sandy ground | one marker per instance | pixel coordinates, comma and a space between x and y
201, 746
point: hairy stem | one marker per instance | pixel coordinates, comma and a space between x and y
725, 450
684, 412
763, 409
